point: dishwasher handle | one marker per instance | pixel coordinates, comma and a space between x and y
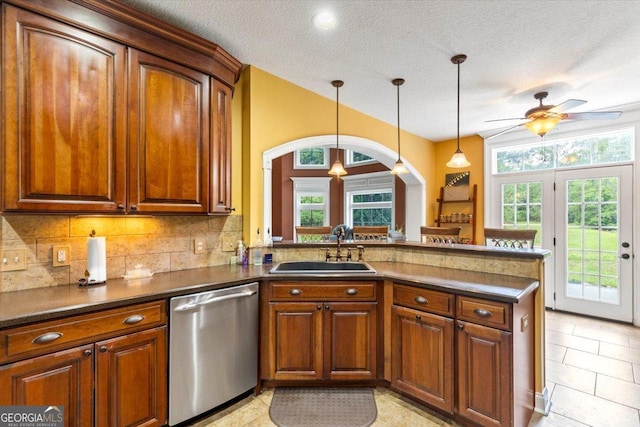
192, 305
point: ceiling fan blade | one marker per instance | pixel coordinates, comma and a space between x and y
594, 115
567, 105
504, 131
500, 120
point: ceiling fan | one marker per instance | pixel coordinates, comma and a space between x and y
543, 118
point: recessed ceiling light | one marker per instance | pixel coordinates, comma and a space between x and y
324, 21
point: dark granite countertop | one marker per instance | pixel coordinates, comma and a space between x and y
22, 307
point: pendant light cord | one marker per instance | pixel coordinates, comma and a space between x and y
337, 120
398, 99
458, 106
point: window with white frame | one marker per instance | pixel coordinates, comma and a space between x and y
311, 158
353, 158
369, 199
311, 201
588, 150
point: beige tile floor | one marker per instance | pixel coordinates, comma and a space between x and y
593, 376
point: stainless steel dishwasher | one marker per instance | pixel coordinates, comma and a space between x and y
213, 349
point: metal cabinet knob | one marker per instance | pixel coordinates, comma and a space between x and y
418, 317
327, 307
103, 349
87, 352
460, 326
134, 207
121, 207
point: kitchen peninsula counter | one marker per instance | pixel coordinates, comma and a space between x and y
33, 305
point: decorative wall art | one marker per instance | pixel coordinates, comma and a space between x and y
456, 186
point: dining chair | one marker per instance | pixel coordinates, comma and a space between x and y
370, 232
440, 234
312, 234
509, 238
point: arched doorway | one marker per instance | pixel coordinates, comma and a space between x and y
415, 183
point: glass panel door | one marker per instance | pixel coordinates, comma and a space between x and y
593, 242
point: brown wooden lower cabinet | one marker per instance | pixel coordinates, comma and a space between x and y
484, 386
64, 378
484, 374
113, 374
320, 331
131, 379
422, 349
323, 340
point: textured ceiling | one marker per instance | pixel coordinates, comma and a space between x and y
584, 49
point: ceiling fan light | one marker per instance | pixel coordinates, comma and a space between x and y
399, 168
542, 125
337, 169
458, 160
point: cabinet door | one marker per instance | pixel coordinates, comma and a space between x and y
422, 356
297, 340
131, 379
220, 197
169, 136
64, 125
350, 340
63, 379
484, 374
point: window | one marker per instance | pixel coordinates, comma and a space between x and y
353, 158
522, 207
311, 158
311, 201
599, 149
369, 199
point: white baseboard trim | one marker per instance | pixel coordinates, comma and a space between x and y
543, 402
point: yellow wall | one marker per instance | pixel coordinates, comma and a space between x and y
473, 149
275, 111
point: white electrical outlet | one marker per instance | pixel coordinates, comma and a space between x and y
198, 246
60, 256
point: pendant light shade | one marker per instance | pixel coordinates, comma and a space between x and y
398, 168
458, 160
337, 169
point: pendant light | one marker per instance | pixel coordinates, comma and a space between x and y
458, 160
398, 168
337, 169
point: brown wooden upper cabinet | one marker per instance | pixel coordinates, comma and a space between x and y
124, 119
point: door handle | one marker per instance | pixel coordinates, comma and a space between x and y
625, 256
625, 244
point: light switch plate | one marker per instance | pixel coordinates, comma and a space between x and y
60, 256
13, 259
228, 244
524, 323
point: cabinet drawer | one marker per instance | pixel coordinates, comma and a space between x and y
483, 312
43, 337
316, 290
424, 299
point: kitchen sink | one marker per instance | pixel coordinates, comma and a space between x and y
310, 267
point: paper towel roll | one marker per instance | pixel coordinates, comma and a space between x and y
97, 260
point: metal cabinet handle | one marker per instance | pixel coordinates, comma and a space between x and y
418, 317
103, 349
87, 352
132, 320
232, 209
295, 292
421, 300
352, 291
47, 338
134, 207
482, 312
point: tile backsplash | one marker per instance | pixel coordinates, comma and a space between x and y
161, 244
